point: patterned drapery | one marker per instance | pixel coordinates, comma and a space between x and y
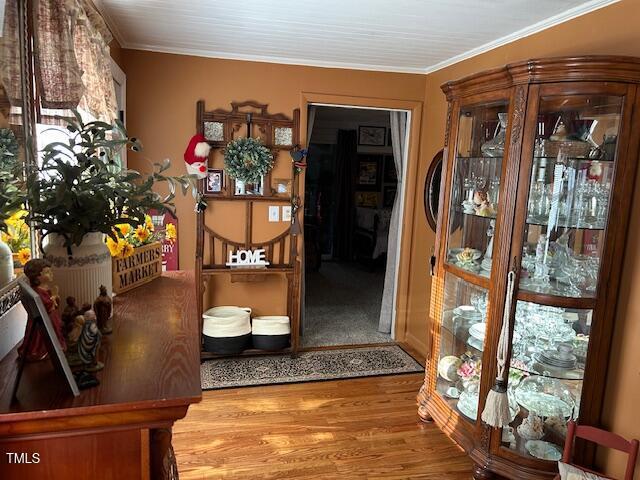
57, 71
73, 63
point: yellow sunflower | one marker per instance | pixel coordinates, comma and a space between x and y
124, 229
115, 248
148, 223
24, 255
170, 232
142, 234
127, 250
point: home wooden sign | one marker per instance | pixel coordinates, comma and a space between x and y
143, 266
248, 259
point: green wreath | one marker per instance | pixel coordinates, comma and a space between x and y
247, 160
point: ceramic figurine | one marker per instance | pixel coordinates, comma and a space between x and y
76, 330
103, 306
38, 271
89, 343
532, 427
69, 314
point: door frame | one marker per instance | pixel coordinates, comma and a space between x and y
407, 192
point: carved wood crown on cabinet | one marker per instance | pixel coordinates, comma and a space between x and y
519, 91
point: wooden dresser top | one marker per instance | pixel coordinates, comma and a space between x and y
152, 360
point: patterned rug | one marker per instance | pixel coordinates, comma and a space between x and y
307, 367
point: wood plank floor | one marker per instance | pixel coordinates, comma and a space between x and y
347, 429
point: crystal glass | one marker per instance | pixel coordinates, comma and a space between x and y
476, 188
549, 353
569, 195
462, 335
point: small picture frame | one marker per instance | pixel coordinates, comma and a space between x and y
367, 199
282, 187
369, 172
37, 312
214, 182
372, 136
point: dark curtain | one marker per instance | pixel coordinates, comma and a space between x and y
346, 171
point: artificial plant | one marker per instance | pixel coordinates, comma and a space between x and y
79, 186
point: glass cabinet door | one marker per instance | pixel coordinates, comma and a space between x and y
475, 190
567, 210
568, 204
462, 334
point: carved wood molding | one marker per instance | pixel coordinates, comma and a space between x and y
591, 68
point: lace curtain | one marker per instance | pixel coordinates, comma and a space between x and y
72, 60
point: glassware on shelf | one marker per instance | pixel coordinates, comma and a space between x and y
495, 146
545, 396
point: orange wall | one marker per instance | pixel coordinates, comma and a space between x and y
162, 91
613, 30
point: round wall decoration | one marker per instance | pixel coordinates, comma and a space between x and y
432, 190
247, 159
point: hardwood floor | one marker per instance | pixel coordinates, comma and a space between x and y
347, 429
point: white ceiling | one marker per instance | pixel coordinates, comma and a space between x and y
417, 36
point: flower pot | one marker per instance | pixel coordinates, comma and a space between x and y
6, 264
80, 274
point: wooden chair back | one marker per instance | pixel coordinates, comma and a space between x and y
604, 438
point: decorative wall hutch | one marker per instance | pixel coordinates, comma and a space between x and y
540, 161
279, 133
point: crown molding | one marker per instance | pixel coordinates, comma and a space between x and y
524, 32
271, 59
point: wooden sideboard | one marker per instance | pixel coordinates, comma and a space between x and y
122, 428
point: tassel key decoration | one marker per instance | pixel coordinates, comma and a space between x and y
496, 411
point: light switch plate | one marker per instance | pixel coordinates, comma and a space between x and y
274, 213
286, 213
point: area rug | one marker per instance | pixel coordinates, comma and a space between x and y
307, 367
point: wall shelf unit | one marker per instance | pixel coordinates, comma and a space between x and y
278, 133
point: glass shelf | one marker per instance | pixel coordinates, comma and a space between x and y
462, 331
566, 225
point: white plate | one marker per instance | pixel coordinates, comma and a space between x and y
475, 343
477, 330
543, 450
452, 392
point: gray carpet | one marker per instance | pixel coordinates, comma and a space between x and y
343, 305
307, 367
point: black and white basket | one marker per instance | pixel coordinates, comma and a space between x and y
271, 332
227, 330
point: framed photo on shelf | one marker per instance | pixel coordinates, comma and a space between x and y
214, 182
369, 172
367, 199
282, 187
373, 136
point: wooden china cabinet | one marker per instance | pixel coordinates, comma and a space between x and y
540, 161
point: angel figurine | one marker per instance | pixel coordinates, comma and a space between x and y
40, 276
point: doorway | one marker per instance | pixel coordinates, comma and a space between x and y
352, 206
